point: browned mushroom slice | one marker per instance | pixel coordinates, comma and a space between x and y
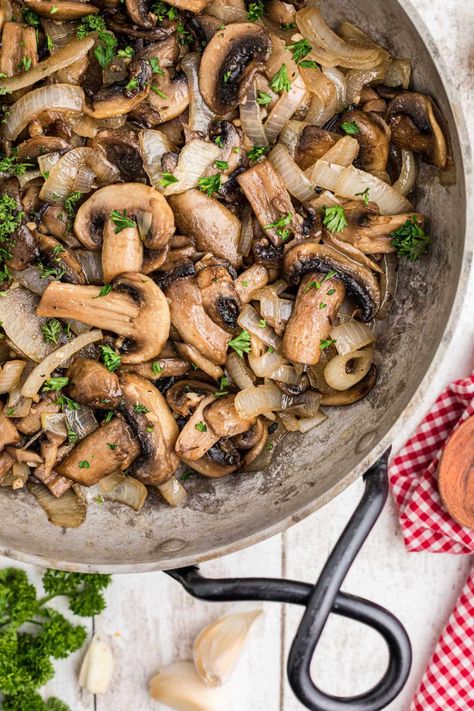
207, 467
156, 217
135, 309
219, 296
90, 383
31, 424
307, 143
8, 432
184, 396
63, 10
213, 227
316, 306
229, 63
59, 257
162, 367
415, 124
139, 13
40, 145
197, 360
359, 281
122, 149
196, 438
373, 136
102, 452
193, 324
223, 419
23, 248
166, 51
253, 278
18, 52
169, 96
270, 200
190, 5
121, 251
148, 414
357, 392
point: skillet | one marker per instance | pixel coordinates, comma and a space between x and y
225, 515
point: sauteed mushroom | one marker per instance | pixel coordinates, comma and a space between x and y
415, 127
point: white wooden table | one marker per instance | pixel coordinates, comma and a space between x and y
151, 621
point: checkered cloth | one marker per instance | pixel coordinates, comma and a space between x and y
448, 683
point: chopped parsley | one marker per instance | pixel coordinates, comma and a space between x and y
156, 367
10, 411
309, 64
108, 416
227, 76
219, 141
30, 17
54, 272
331, 292
263, 98
127, 53
131, 85
285, 26
364, 195
245, 283
72, 436
25, 64
257, 152
55, 384
54, 10
121, 221
223, 385
334, 218
104, 290
325, 343
280, 226
186, 475
221, 164
168, 179
241, 343
200, 427
99, 499
256, 11
262, 323
90, 23
300, 49
280, 81
350, 127
10, 166
51, 331
112, 445
410, 240
157, 91
66, 403
70, 206
322, 305
104, 52
154, 63
210, 184
84, 464
140, 409
49, 43
110, 358
164, 11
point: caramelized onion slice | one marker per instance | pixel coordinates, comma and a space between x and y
67, 511
52, 97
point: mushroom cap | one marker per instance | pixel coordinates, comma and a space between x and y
241, 48
359, 281
155, 429
373, 137
91, 383
136, 199
151, 327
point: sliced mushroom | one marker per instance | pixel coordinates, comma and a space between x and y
60, 257
122, 149
209, 468
197, 360
415, 125
119, 24
23, 248
223, 419
138, 201
121, 252
135, 309
229, 63
18, 47
162, 367
32, 148
90, 383
196, 438
184, 397
269, 198
8, 432
359, 281
192, 322
190, 5
124, 96
316, 306
148, 414
138, 11
253, 278
64, 10
313, 143
373, 136
219, 296
31, 424
357, 392
173, 96
213, 227
166, 51
111, 447
57, 224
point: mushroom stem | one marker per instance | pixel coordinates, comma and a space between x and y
113, 312
121, 252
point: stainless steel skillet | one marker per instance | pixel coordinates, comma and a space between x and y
223, 516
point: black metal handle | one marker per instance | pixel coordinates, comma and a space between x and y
322, 599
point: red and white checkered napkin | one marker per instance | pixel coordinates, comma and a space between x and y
448, 682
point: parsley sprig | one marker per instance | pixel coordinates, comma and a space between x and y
121, 220
334, 218
280, 81
256, 11
241, 343
110, 357
410, 240
210, 184
280, 226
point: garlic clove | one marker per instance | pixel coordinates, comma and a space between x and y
97, 666
181, 688
218, 647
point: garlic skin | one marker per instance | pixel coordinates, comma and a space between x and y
218, 647
97, 667
181, 688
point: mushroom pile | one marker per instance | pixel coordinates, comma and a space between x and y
203, 206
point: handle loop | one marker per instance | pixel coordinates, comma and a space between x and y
320, 600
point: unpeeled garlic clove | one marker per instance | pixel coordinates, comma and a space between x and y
218, 647
97, 667
180, 687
